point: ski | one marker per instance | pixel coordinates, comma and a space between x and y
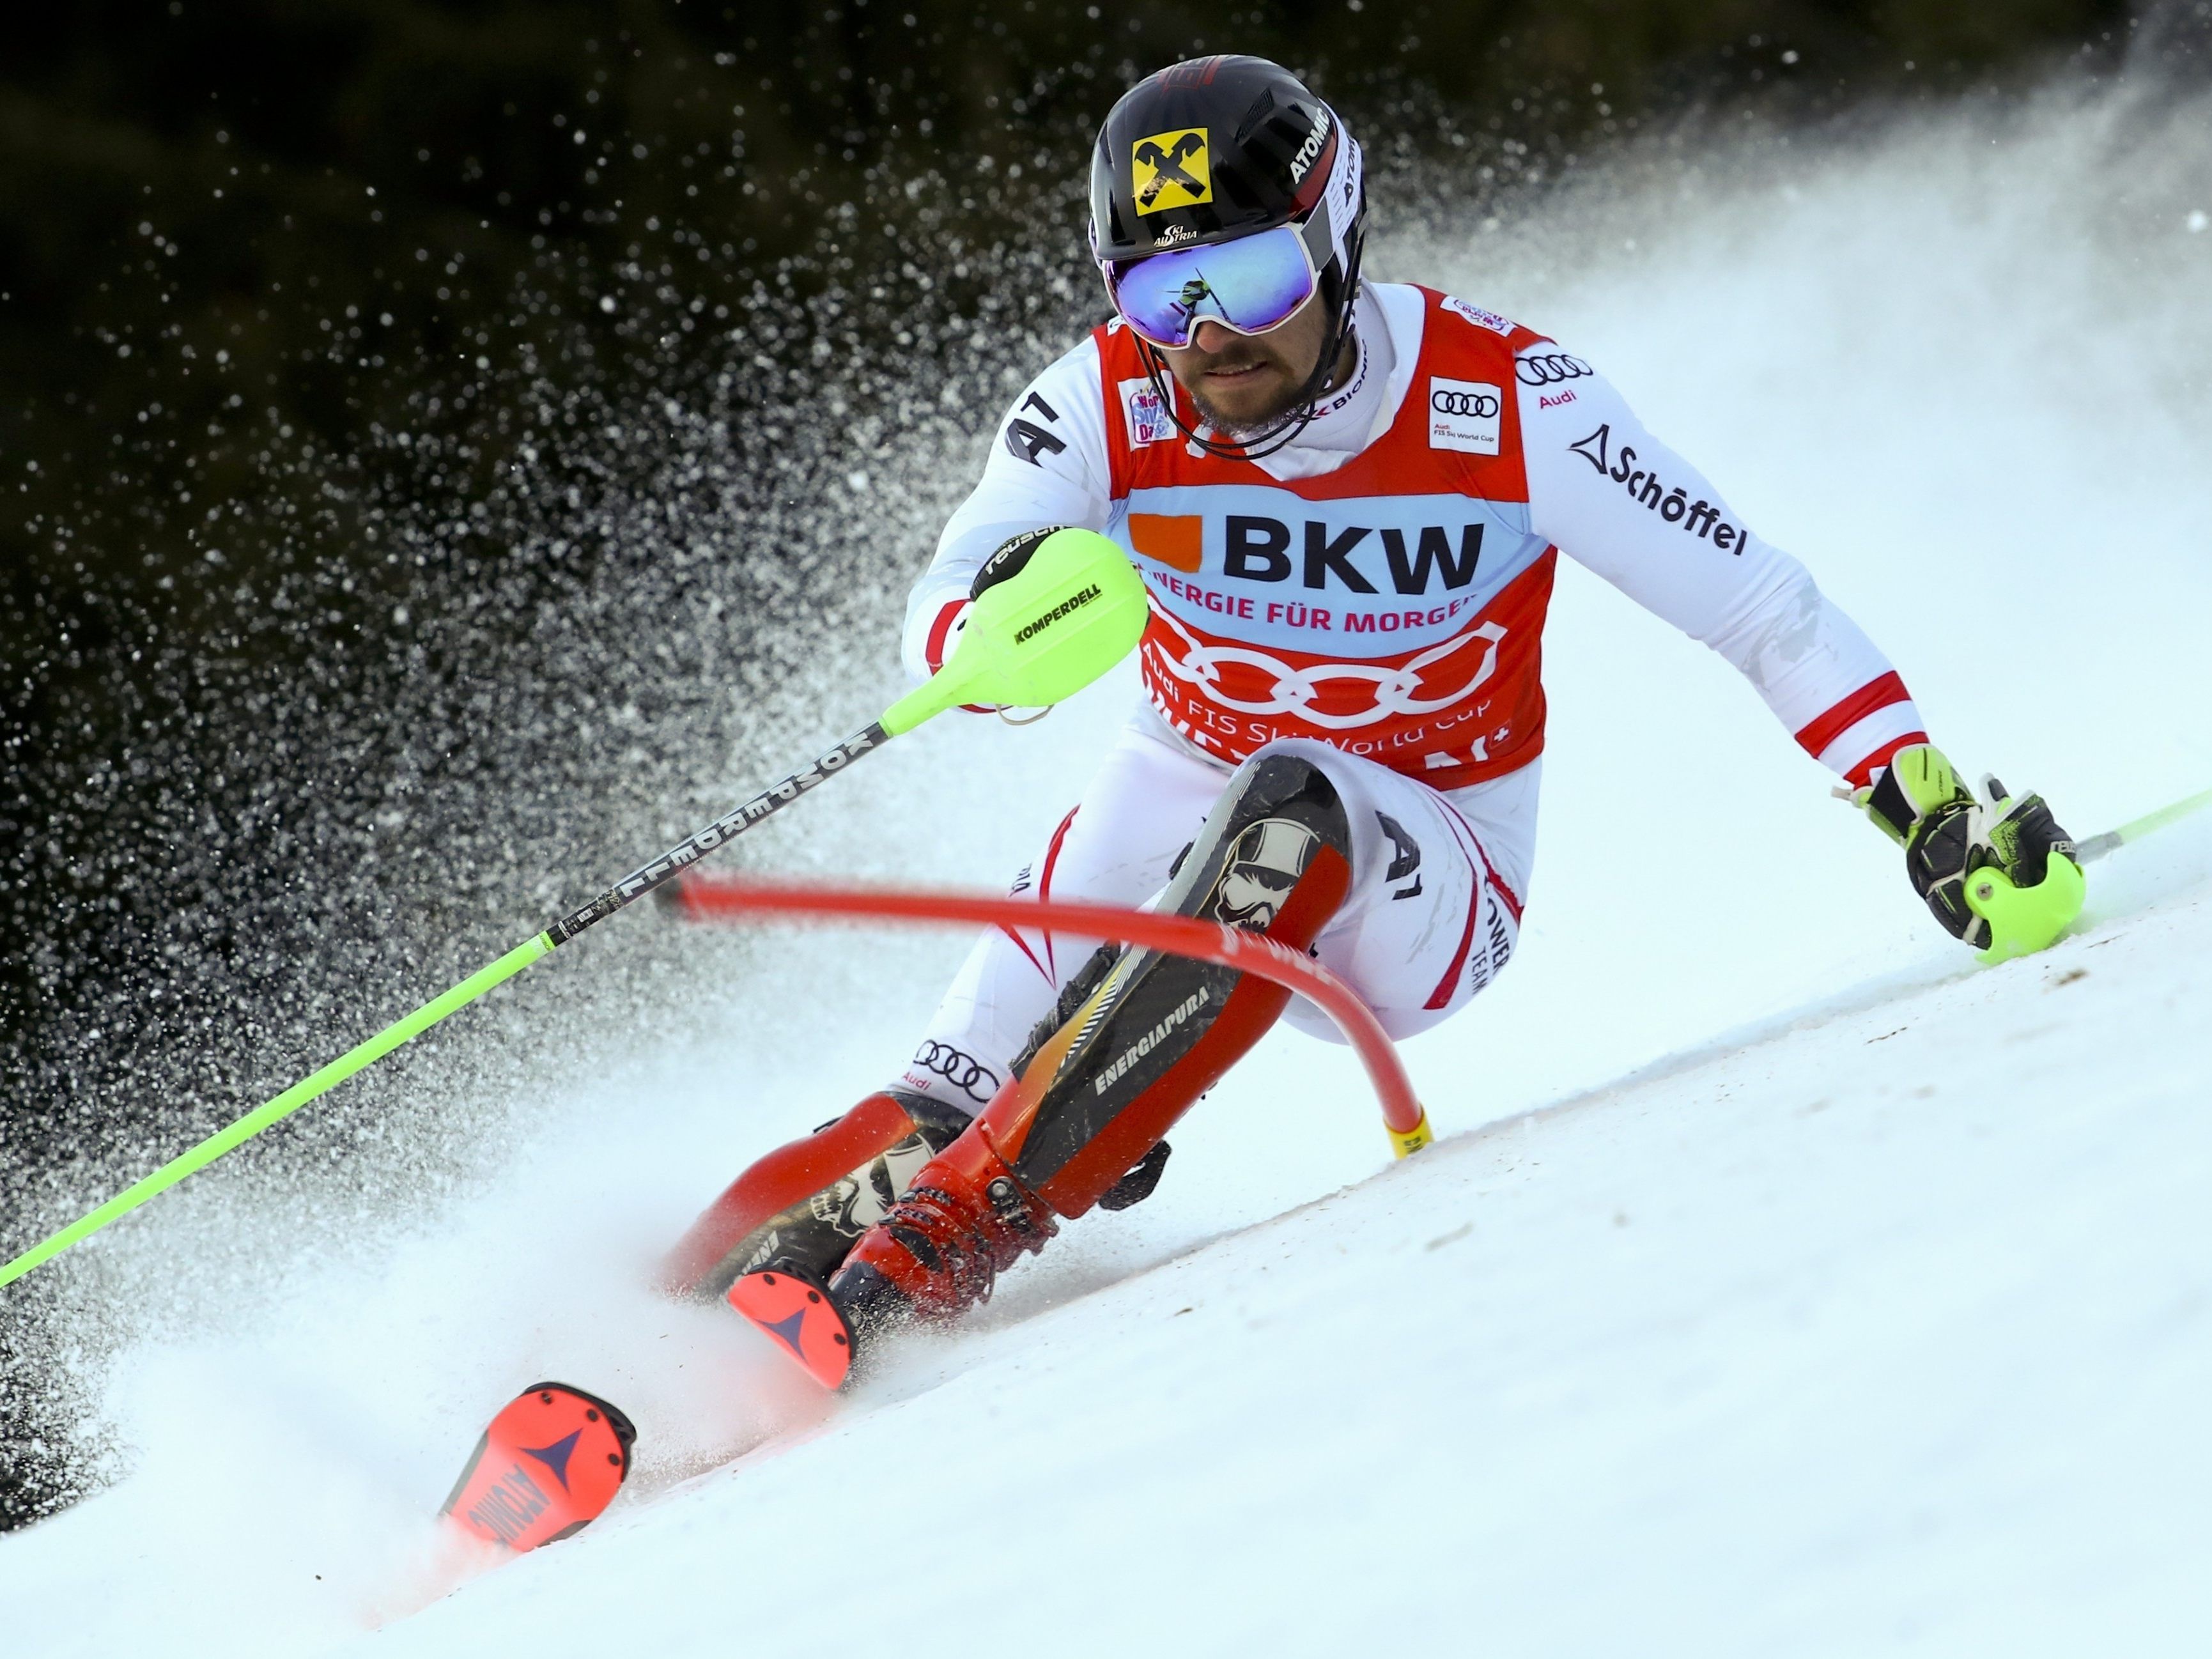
547, 1467
801, 1318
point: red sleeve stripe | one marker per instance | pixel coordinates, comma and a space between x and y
1863, 775
1879, 733
1117, 417
1868, 699
933, 653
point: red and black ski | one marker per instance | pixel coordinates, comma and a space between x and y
547, 1467
801, 1318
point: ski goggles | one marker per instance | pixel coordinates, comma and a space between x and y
1249, 285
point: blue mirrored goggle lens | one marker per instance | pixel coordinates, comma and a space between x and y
1251, 283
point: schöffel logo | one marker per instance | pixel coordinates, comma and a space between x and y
1074, 602
1465, 414
1700, 518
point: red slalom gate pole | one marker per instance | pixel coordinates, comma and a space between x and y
731, 897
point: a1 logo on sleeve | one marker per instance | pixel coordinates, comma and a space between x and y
1147, 415
1465, 414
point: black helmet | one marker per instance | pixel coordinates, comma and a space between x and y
1218, 147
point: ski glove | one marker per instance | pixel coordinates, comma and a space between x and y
1006, 562
1999, 875
1007, 559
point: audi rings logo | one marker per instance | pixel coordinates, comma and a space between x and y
964, 1071
1550, 368
1392, 688
1468, 415
1463, 403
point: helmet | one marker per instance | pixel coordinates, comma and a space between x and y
1216, 148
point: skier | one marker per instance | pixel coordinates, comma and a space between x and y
1347, 499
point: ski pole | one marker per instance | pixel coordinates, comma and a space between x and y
1070, 613
2096, 846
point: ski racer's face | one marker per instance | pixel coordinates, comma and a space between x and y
1245, 383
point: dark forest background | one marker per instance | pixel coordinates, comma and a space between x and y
325, 334
233, 233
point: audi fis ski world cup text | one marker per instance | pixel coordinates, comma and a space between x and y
1466, 416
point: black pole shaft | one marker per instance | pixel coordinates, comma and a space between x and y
732, 824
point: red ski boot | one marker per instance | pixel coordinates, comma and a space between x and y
965, 1219
938, 1253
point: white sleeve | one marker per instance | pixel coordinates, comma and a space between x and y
1614, 498
1048, 466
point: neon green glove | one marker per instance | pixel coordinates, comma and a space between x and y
1999, 875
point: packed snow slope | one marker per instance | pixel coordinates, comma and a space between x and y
1784, 1282
1887, 1331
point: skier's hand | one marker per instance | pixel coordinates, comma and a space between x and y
1999, 875
1007, 559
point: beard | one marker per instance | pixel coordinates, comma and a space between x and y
1247, 427
1296, 394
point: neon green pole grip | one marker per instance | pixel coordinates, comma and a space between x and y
1076, 608
306, 1089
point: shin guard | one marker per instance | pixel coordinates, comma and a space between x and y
1153, 1032
1136, 1038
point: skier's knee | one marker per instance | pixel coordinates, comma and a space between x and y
1279, 829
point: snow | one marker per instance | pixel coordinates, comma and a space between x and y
1784, 1281
1887, 1330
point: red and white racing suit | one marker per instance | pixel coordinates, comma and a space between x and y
1376, 591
